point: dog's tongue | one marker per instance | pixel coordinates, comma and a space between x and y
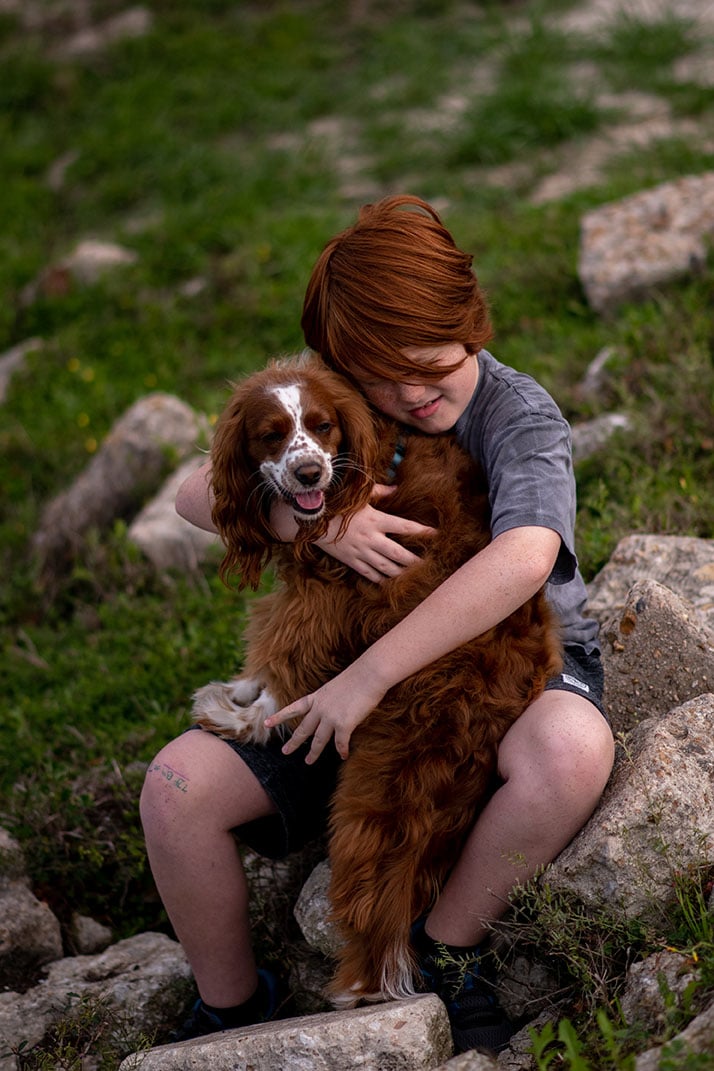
309, 500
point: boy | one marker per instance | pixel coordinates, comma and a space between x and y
394, 304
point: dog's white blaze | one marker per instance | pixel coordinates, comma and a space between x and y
300, 449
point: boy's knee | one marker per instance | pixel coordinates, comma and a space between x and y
566, 745
164, 787
588, 748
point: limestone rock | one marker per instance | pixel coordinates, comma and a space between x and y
146, 977
469, 1061
697, 1038
629, 247
169, 541
129, 465
134, 22
656, 817
12, 859
643, 999
593, 435
657, 652
405, 1035
684, 564
312, 911
89, 936
30, 936
85, 265
13, 359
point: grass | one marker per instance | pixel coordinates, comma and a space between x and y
203, 147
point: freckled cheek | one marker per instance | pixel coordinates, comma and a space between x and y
383, 398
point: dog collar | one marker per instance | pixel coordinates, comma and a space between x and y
399, 451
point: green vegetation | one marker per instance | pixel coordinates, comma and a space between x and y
88, 1030
225, 146
588, 952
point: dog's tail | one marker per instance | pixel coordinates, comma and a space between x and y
373, 903
388, 870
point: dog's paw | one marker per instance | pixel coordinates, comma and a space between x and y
235, 709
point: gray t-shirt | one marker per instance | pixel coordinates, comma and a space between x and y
514, 429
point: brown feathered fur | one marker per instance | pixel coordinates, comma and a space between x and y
421, 764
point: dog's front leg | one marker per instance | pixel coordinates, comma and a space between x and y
235, 709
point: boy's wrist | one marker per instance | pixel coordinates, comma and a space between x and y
282, 521
377, 670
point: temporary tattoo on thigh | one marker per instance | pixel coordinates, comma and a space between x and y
174, 778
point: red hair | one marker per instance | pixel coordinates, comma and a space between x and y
394, 279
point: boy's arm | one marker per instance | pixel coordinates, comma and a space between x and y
194, 502
194, 499
484, 591
366, 546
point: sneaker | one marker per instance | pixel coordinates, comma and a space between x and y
478, 1021
466, 984
201, 1021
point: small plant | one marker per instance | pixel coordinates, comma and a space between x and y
641, 53
606, 1046
89, 1027
693, 887
676, 1056
589, 948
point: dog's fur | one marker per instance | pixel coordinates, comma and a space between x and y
421, 763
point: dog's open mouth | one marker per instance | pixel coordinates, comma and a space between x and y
309, 503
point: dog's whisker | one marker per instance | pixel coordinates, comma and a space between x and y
341, 464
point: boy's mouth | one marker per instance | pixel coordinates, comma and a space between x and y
426, 410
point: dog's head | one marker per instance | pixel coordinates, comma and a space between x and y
295, 431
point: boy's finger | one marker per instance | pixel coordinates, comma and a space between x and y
317, 747
407, 527
302, 733
295, 710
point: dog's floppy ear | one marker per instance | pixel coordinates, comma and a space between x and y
358, 453
240, 511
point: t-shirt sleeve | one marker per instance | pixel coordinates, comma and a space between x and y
531, 482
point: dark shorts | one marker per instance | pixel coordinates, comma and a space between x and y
582, 675
302, 793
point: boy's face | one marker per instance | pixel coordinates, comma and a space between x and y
433, 405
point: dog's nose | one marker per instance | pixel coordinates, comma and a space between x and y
308, 474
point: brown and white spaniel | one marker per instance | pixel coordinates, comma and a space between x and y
421, 764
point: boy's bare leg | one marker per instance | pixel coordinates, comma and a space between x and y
554, 762
197, 789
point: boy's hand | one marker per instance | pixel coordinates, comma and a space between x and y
367, 545
335, 709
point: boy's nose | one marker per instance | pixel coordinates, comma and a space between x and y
411, 392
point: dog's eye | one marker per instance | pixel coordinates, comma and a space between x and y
324, 428
272, 438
